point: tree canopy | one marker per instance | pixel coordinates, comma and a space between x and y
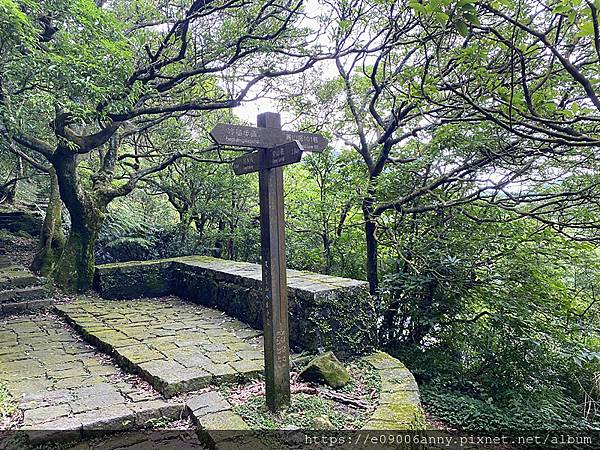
462, 179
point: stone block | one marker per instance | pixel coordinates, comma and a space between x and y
113, 418
64, 429
208, 402
38, 416
222, 421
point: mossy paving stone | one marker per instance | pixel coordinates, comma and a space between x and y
68, 373
225, 357
8, 336
163, 346
160, 332
223, 372
20, 388
175, 356
69, 407
65, 365
26, 368
223, 420
45, 414
140, 353
217, 423
36, 397
250, 354
75, 382
399, 404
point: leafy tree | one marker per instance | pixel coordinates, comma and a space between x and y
323, 209
99, 82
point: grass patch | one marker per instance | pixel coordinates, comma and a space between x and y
7, 405
303, 410
305, 407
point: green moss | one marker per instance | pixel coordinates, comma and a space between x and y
7, 404
400, 406
406, 414
381, 360
326, 369
127, 264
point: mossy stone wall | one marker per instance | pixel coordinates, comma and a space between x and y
325, 312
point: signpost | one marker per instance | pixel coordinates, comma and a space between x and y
276, 148
280, 155
263, 137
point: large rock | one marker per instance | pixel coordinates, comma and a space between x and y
322, 423
326, 369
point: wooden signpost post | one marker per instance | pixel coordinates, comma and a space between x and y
276, 148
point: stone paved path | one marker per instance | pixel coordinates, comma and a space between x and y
177, 346
60, 383
145, 440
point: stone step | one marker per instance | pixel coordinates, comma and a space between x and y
7, 309
19, 279
5, 262
22, 294
9, 268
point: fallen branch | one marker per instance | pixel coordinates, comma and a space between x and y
335, 396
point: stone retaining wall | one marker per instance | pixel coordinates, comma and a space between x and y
325, 312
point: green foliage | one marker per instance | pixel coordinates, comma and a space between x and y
15, 26
544, 410
496, 319
84, 63
323, 215
7, 404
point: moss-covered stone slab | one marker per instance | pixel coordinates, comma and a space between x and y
319, 305
399, 403
189, 357
21, 291
22, 219
65, 389
218, 426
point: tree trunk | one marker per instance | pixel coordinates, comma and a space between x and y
218, 251
185, 221
200, 223
10, 193
328, 263
75, 269
52, 238
371, 241
76, 266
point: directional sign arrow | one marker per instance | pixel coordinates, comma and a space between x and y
248, 163
254, 137
280, 155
